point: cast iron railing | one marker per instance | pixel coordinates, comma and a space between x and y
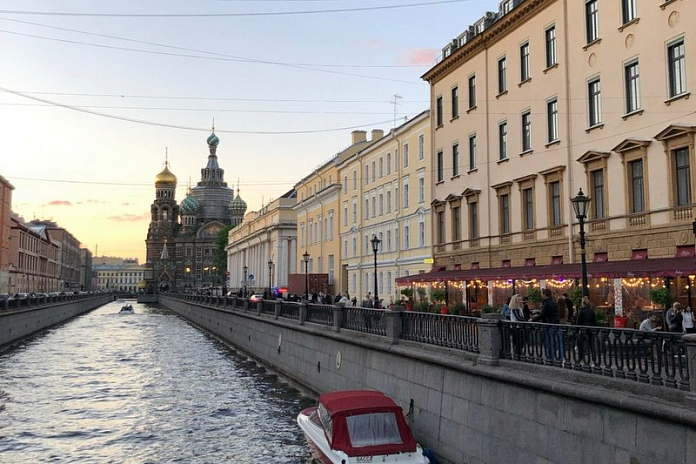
367, 320
460, 332
657, 358
268, 307
290, 310
320, 314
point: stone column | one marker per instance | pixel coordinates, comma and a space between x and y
394, 324
259, 307
490, 342
277, 309
303, 312
338, 317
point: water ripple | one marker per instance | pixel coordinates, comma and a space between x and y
146, 388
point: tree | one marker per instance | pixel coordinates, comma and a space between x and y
220, 252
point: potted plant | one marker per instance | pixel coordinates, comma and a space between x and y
408, 294
661, 296
439, 300
421, 306
457, 309
534, 296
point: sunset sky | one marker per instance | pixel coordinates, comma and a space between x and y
93, 94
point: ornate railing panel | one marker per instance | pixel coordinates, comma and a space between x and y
460, 332
657, 358
290, 310
365, 320
268, 307
320, 314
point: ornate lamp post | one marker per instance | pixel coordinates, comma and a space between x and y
270, 277
305, 257
246, 269
581, 203
188, 277
375, 248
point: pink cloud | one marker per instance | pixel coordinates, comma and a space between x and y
420, 56
374, 43
59, 203
129, 217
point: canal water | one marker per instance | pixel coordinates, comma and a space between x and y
144, 388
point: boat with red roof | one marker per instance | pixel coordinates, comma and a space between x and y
359, 426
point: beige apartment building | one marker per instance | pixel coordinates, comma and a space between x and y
318, 212
264, 246
385, 192
34, 259
546, 97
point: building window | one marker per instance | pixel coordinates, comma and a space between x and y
472, 152
405, 195
677, 68
355, 211
504, 214
555, 197
381, 204
421, 147
374, 172
552, 119
389, 194
421, 189
396, 198
528, 204
381, 168
367, 174
421, 234
628, 10
502, 140
405, 154
455, 102
440, 227
345, 213
389, 241
551, 46
374, 205
502, 80
591, 21
526, 131
472, 92
455, 159
524, 62
632, 77
438, 111
355, 179
345, 184
637, 186
367, 208
456, 224
597, 179
473, 220
594, 96
683, 176
388, 163
407, 237
440, 167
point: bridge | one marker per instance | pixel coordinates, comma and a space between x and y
482, 390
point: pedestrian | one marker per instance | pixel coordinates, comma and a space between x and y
525, 309
516, 309
562, 311
586, 315
554, 337
688, 320
571, 307
648, 324
549, 308
505, 310
674, 318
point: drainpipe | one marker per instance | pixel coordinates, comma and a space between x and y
569, 159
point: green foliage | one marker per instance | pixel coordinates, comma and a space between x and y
220, 253
457, 308
534, 295
421, 306
599, 316
575, 295
407, 292
438, 295
661, 295
488, 309
421, 293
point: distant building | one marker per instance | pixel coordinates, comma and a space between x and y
5, 225
182, 238
85, 269
126, 276
70, 259
34, 259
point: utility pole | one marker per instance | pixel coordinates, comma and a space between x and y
396, 103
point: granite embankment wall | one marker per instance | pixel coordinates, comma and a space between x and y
465, 411
32, 317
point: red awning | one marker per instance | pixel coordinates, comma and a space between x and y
659, 267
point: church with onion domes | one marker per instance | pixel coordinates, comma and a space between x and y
182, 238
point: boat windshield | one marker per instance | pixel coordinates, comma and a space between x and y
373, 429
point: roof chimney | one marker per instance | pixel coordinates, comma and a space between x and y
358, 136
377, 134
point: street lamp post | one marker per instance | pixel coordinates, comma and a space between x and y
375, 248
581, 203
305, 257
270, 277
246, 269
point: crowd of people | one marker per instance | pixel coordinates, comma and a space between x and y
553, 311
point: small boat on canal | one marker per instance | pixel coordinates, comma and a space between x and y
127, 309
358, 426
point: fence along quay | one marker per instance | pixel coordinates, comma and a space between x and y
641, 376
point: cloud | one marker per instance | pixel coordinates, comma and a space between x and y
374, 43
59, 203
420, 56
129, 217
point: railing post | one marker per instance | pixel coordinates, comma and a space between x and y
303, 312
690, 341
338, 316
225, 302
490, 341
259, 307
277, 308
246, 304
394, 324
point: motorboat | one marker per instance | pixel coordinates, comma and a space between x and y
358, 426
127, 309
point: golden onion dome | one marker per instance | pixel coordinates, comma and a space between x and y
165, 177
